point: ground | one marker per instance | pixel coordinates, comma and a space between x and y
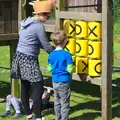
85, 97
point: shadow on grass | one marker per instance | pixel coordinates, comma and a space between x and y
116, 91
85, 88
92, 105
93, 90
5, 88
116, 81
92, 115
87, 116
116, 111
4, 68
49, 112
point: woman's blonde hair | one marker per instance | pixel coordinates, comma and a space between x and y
58, 37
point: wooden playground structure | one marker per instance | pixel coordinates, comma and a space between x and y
12, 12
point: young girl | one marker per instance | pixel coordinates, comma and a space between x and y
25, 66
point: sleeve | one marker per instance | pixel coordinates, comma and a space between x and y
70, 68
49, 63
42, 36
69, 63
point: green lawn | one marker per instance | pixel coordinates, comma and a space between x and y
116, 29
116, 46
84, 96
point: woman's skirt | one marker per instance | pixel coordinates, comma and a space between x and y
26, 67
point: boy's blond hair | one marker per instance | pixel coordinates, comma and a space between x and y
58, 37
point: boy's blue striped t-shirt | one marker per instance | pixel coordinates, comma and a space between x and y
59, 60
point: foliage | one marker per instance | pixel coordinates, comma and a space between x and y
116, 10
116, 30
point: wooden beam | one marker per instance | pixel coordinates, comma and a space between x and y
78, 77
116, 37
15, 86
14, 16
57, 14
15, 91
11, 36
59, 7
7, 42
50, 26
107, 38
13, 82
51, 22
80, 16
95, 81
19, 13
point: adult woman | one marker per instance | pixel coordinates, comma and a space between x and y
25, 64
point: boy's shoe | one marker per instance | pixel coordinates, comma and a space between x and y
17, 115
5, 114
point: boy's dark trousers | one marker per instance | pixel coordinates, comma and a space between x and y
62, 100
37, 91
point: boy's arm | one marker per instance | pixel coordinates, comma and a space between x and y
49, 67
49, 63
69, 63
70, 68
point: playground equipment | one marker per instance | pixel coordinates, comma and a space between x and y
104, 32
89, 29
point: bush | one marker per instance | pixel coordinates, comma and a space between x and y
116, 10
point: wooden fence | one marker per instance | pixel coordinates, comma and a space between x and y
83, 5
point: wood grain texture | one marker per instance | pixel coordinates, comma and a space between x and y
107, 39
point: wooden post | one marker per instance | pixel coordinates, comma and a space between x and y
107, 35
57, 14
59, 7
15, 88
19, 12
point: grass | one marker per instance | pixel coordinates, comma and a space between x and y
116, 28
116, 51
84, 96
116, 47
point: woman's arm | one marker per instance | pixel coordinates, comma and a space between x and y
42, 36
